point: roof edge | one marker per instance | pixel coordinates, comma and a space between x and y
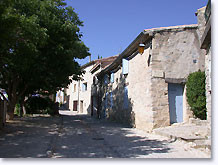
171, 28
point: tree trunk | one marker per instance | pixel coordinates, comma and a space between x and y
10, 112
21, 101
11, 107
1, 113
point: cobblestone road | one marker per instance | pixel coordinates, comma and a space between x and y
80, 136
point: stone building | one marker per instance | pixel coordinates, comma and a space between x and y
147, 89
78, 93
204, 24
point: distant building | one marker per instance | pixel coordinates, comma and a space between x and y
78, 94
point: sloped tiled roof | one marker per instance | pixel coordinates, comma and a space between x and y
103, 62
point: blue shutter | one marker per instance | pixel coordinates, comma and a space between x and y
111, 96
82, 87
112, 77
126, 101
105, 79
125, 66
106, 104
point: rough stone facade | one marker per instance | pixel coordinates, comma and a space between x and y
175, 54
204, 28
172, 55
208, 84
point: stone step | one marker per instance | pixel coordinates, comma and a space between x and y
206, 144
198, 122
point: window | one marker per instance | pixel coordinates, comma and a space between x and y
74, 88
125, 66
112, 78
84, 87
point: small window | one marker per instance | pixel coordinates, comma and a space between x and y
125, 66
74, 88
112, 78
84, 87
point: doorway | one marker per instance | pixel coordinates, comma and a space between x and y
75, 105
175, 98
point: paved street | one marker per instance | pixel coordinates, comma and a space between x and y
80, 136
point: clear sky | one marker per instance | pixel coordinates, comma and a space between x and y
111, 25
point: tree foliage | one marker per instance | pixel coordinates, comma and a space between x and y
40, 41
196, 94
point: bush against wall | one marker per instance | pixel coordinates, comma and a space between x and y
196, 94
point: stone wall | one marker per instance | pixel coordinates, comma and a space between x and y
138, 81
175, 54
201, 29
208, 84
201, 21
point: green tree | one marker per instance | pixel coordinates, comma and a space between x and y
196, 94
40, 41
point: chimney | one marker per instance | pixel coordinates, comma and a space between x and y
90, 58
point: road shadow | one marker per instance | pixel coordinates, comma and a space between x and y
28, 137
85, 137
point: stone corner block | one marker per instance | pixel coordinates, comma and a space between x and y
157, 74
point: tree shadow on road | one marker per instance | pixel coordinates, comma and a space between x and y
85, 137
28, 137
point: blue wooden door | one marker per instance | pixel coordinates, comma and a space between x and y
175, 96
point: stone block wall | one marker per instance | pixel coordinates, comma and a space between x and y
138, 81
160, 104
208, 83
175, 54
201, 29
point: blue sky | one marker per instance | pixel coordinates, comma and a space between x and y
111, 25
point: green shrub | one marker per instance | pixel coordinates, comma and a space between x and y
17, 110
196, 94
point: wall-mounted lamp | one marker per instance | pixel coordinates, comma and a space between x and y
141, 48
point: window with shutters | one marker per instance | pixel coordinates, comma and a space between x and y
125, 66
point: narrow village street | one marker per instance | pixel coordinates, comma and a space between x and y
80, 136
